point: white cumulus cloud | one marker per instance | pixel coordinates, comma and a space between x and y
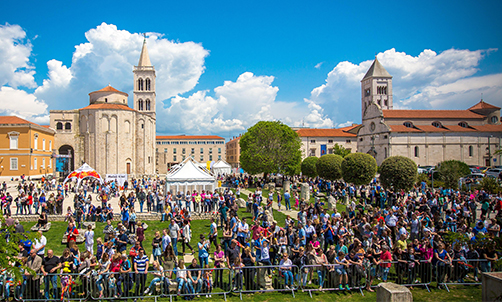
20, 103
15, 52
431, 80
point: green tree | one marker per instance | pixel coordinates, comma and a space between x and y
309, 166
329, 166
359, 168
340, 150
270, 147
398, 172
9, 249
490, 185
451, 170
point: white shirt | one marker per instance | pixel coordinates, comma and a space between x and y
89, 237
39, 243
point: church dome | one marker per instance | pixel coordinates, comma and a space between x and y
108, 95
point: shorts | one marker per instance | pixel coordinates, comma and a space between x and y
341, 271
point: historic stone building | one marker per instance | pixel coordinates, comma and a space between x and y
173, 149
109, 135
318, 142
426, 136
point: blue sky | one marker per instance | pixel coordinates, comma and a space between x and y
222, 65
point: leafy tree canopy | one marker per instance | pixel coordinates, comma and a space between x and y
340, 150
451, 170
309, 166
270, 147
398, 172
9, 249
329, 166
359, 168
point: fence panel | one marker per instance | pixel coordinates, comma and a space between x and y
462, 272
264, 278
42, 287
332, 277
410, 273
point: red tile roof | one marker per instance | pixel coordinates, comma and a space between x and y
403, 128
483, 105
14, 120
431, 114
108, 89
188, 137
315, 132
108, 106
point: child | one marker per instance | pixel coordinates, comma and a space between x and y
112, 286
207, 280
237, 267
89, 239
100, 249
341, 264
69, 214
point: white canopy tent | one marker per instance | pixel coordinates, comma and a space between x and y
84, 171
189, 176
221, 167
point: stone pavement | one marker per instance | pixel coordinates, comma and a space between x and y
292, 213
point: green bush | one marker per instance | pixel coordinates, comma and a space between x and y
490, 185
309, 166
423, 177
398, 172
359, 168
329, 166
450, 171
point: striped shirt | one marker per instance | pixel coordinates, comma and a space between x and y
141, 263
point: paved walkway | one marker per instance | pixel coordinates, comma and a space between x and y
292, 213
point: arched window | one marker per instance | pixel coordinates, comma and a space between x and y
35, 141
437, 124
471, 151
463, 124
494, 119
140, 105
147, 84
67, 126
140, 84
408, 124
147, 105
417, 153
59, 126
385, 152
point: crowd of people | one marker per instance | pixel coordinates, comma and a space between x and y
380, 236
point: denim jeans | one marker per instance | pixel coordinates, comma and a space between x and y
288, 276
52, 281
320, 275
174, 242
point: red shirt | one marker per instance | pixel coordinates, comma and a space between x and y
386, 256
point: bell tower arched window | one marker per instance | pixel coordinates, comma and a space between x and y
140, 84
140, 105
147, 84
148, 105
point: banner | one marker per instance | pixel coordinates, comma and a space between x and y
119, 178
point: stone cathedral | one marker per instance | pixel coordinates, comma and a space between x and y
109, 135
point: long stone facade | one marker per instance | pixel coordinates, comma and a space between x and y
426, 136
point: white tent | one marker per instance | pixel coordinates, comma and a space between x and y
188, 175
221, 167
84, 171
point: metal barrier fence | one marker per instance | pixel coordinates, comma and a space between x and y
406, 273
331, 277
189, 283
265, 278
66, 286
462, 272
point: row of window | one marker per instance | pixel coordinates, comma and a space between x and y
190, 142
330, 141
146, 86
59, 126
14, 164
437, 124
470, 151
146, 105
183, 157
14, 143
192, 151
